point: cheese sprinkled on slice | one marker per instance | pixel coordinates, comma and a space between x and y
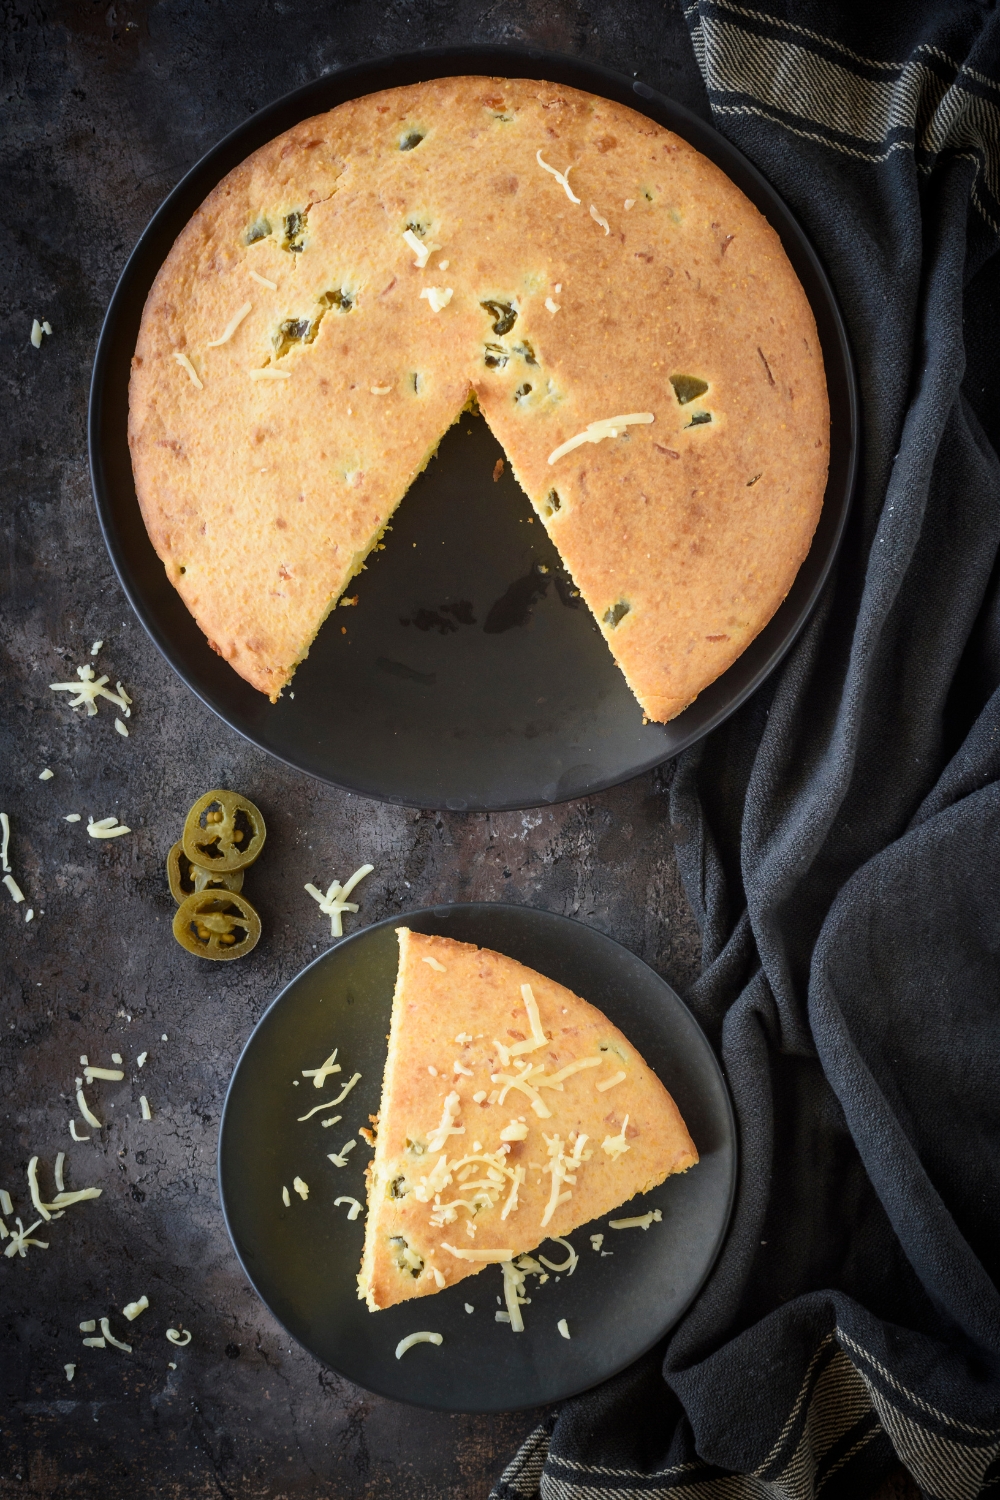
629, 203
616, 1145
490, 1257
180, 1339
46, 775
550, 306
609, 1083
268, 374
421, 251
381, 390
73, 1132
302, 1188
560, 177
438, 968
511, 1204
641, 1221
557, 1079
563, 1328
538, 1037
437, 296
272, 285
517, 1130
15, 890
186, 364
231, 327
457, 1067
354, 1209
447, 1127
598, 220
131, 1310
417, 1338
596, 432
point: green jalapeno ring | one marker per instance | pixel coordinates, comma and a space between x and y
209, 924
186, 879
223, 832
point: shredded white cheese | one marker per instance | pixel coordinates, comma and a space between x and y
97, 1343
381, 390
417, 1338
96, 647
557, 1079
517, 1130
46, 775
447, 1127
121, 728
106, 828
538, 1037
563, 1328
354, 1209
5, 826
641, 1221
272, 285
70, 1371
269, 374
302, 1188
180, 1339
186, 364
5, 1203
491, 1257
84, 1107
131, 1310
458, 1067
64, 1200
147, 1113
335, 902
29, 915
73, 1132
111, 1075
316, 1111
116, 1058
511, 1203
36, 333
33, 1189
609, 1083
285, 1198
343, 1093
469, 1307
596, 432
339, 1158
20, 1240
560, 177
616, 1145
598, 220
106, 1330
513, 1281
569, 1265
629, 203
141, 1059
437, 296
230, 327
551, 306
438, 968
71, 818
88, 1325
15, 890
596, 1241
479, 1096
321, 1074
46, 326
421, 251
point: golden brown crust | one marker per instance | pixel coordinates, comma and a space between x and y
455, 1009
263, 497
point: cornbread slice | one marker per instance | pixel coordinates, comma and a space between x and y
556, 258
512, 1111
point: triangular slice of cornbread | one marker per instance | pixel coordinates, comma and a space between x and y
512, 1111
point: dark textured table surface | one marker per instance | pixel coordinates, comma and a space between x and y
105, 105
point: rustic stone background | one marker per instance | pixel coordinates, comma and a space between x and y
104, 107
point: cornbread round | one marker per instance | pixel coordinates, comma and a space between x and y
557, 258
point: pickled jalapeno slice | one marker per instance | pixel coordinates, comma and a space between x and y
224, 831
186, 879
217, 924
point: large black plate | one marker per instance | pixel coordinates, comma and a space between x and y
499, 692
303, 1261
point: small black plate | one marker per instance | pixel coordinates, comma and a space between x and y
303, 1260
466, 677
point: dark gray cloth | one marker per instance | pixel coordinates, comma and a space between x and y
839, 837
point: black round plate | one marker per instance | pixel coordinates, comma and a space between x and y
303, 1260
465, 677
